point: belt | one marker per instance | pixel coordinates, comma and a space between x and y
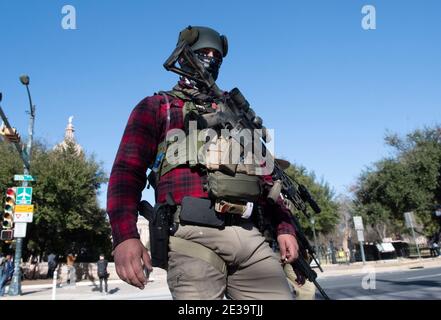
194, 211
232, 219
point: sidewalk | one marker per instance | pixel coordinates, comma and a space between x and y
157, 288
379, 266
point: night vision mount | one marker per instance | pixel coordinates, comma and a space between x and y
199, 74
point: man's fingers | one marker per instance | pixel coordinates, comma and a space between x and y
283, 250
138, 272
291, 253
133, 279
288, 248
294, 251
128, 255
125, 273
120, 271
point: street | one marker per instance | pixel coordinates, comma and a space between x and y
412, 284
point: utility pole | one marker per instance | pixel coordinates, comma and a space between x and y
15, 286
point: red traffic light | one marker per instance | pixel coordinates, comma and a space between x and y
11, 192
10, 195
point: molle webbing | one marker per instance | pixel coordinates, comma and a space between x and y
164, 167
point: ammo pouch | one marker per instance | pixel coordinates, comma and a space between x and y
240, 187
159, 228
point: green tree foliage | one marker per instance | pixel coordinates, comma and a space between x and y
325, 221
408, 180
10, 164
67, 216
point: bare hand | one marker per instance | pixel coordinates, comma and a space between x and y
288, 248
130, 258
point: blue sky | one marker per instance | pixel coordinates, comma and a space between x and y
330, 89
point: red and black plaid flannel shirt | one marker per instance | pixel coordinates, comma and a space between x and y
137, 151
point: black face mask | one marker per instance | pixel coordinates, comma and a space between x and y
211, 64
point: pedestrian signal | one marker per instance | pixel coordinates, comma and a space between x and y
7, 235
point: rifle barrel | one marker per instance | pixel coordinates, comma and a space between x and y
320, 289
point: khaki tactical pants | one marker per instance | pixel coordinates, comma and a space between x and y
254, 270
304, 292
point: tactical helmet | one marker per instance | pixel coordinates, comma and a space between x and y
204, 37
199, 38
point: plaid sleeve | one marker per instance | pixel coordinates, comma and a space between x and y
280, 213
284, 224
128, 177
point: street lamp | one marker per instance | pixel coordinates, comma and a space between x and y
15, 287
24, 79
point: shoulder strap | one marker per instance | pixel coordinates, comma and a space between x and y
167, 123
175, 93
162, 146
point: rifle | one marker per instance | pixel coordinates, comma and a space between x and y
236, 115
301, 264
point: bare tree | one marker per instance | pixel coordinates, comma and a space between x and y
345, 226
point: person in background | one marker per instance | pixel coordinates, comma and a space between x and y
8, 271
341, 255
2, 265
103, 275
435, 247
51, 265
71, 278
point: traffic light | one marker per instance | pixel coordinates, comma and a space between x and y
8, 216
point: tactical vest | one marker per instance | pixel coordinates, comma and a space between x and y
240, 186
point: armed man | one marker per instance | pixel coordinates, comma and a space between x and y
207, 227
